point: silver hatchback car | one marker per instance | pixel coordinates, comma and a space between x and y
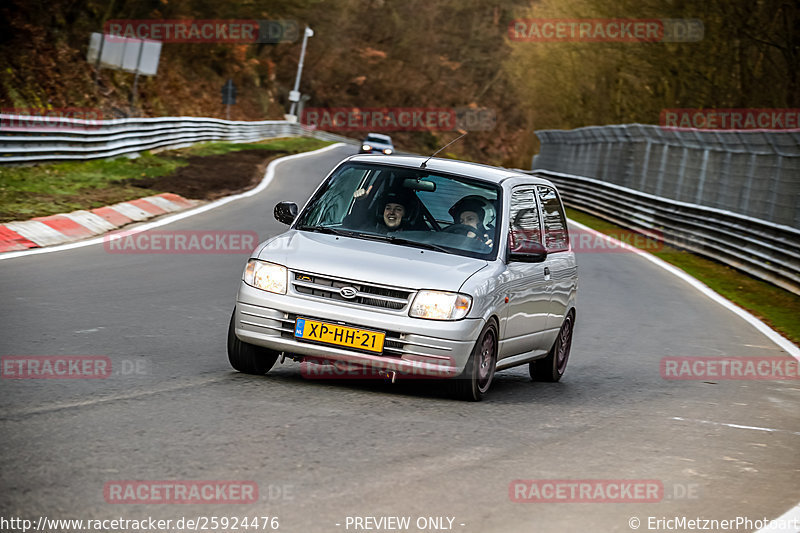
411, 268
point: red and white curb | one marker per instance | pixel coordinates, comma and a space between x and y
69, 227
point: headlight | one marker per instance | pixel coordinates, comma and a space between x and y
265, 276
436, 305
387, 151
366, 147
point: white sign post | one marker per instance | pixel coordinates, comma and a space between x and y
138, 56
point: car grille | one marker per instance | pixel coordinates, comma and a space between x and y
356, 292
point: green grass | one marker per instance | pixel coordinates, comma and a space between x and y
288, 144
41, 190
777, 307
48, 189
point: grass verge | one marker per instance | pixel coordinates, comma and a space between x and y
291, 145
52, 188
778, 308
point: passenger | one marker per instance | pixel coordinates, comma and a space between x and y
470, 212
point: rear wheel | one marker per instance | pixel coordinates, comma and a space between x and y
477, 377
248, 358
552, 367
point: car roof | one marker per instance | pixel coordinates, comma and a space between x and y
450, 166
380, 137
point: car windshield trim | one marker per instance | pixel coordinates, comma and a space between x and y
326, 229
375, 237
404, 242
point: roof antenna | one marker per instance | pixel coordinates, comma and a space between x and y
423, 165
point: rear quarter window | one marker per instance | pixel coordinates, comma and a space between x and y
556, 234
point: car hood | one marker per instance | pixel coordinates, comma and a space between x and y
369, 261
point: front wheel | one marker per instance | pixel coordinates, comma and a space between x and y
552, 367
474, 382
248, 358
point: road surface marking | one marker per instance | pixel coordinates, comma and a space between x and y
737, 426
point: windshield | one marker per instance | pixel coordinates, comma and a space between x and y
378, 139
408, 207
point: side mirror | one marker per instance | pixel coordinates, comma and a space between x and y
286, 212
529, 252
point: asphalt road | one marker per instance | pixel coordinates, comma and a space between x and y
322, 451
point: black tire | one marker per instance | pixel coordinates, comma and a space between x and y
248, 358
552, 367
477, 377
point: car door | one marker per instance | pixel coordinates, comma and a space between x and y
560, 267
524, 284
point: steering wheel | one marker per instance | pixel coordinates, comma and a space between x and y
460, 229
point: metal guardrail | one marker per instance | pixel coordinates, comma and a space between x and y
41, 139
763, 249
754, 173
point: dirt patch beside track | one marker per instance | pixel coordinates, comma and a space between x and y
213, 176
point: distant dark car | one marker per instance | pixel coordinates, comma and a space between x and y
375, 143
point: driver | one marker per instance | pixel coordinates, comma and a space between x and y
391, 214
470, 212
394, 213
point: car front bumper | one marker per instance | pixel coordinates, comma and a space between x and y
413, 346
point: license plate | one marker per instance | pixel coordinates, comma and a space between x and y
327, 333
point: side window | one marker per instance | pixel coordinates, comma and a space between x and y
555, 222
523, 219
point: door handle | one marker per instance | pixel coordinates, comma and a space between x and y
546, 273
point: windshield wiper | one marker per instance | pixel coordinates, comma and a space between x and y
327, 229
399, 240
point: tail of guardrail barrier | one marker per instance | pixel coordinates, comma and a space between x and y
33, 139
733, 196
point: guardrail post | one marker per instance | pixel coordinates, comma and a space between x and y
748, 184
645, 165
726, 172
776, 185
662, 169
681, 172
698, 199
